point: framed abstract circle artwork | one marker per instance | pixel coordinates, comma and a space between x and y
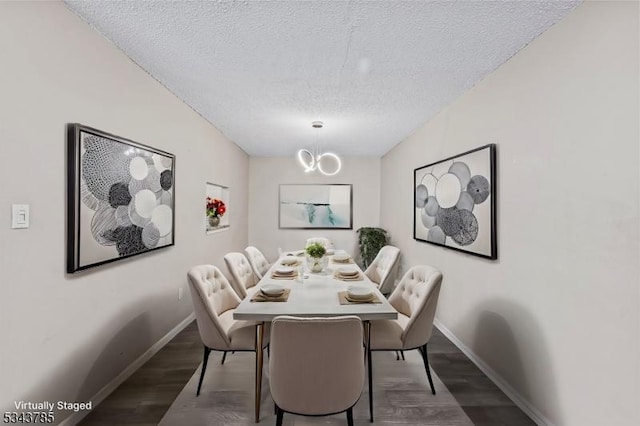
454, 202
120, 198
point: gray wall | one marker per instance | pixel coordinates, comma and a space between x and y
64, 337
556, 317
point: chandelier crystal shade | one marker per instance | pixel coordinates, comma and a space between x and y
327, 163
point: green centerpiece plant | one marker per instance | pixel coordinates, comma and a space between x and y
316, 260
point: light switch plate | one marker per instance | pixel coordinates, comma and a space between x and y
19, 216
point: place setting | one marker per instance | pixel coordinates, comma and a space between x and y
291, 262
341, 258
271, 293
284, 273
358, 294
348, 274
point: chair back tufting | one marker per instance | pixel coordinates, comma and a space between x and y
241, 273
212, 296
416, 296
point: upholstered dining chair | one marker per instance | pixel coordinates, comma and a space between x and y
258, 262
415, 298
382, 270
243, 278
322, 240
214, 302
316, 365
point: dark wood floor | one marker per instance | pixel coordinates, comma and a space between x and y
144, 398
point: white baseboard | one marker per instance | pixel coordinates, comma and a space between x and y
127, 372
517, 399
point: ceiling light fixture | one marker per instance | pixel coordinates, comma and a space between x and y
311, 161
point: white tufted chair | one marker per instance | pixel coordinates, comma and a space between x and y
244, 279
257, 261
382, 270
322, 240
316, 365
214, 302
415, 299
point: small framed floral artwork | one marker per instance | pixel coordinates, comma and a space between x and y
216, 208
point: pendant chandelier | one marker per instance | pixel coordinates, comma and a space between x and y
327, 163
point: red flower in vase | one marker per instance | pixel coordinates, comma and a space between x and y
215, 207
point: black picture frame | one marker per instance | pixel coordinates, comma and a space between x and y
120, 198
315, 206
454, 202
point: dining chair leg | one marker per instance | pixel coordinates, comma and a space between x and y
402, 353
364, 343
207, 351
279, 415
423, 352
224, 356
397, 355
370, 369
259, 349
350, 416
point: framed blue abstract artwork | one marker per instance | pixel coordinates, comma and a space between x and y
120, 198
316, 207
454, 202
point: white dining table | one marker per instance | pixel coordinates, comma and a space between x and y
315, 295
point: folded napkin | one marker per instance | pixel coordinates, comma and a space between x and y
358, 277
346, 300
261, 297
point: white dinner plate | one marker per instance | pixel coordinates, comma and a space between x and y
359, 292
341, 257
272, 289
284, 271
289, 261
347, 272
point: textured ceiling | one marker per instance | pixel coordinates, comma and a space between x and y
374, 72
